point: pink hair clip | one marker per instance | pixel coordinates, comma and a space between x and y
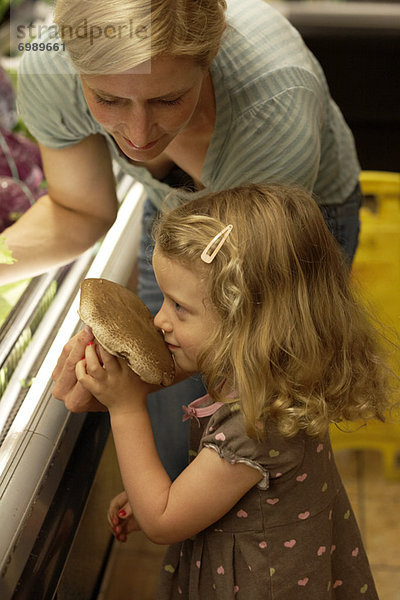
208, 258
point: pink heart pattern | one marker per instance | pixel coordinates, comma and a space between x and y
304, 515
319, 485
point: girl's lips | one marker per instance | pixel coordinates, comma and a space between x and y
172, 346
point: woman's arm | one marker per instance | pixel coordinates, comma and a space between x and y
167, 512
67, 388
80, 206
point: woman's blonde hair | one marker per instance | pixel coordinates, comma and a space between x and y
113, 36
293, 341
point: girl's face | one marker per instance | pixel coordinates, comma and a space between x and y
186, 317
145, 112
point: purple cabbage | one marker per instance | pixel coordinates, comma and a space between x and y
20, 176
15, 199
21, 172
8, 116
20, 158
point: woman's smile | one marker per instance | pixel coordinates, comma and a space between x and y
145, 112
146, 147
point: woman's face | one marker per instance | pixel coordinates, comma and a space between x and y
145, 112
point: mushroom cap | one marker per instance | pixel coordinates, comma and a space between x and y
123, 325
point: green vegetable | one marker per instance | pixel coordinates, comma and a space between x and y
6, 257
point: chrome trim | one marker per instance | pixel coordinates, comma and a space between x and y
41, 437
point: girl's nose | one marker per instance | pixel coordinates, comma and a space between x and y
161, 321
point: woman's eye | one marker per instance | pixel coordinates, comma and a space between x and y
101, 100
178, 307
171, 102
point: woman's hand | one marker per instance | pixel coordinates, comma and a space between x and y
111, 380
67, 388
120, 517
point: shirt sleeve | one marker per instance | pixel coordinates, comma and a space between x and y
274, 456
50, 100
278, 140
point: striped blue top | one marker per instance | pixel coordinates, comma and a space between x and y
275, 118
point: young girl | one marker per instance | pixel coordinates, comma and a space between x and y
256, 298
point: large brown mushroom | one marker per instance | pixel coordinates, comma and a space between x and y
123, 325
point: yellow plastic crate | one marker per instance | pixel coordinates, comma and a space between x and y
377, 269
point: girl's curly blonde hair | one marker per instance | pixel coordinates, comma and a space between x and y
293, 341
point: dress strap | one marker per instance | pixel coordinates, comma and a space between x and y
195, 410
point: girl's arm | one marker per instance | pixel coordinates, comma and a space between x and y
167, 512
121, 518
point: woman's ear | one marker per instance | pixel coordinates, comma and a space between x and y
219, 43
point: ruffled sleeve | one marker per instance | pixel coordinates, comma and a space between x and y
273, 457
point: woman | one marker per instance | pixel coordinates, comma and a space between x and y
211, 99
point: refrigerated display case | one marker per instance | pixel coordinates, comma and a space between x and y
49, 456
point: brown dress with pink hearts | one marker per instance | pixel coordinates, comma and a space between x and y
291, 537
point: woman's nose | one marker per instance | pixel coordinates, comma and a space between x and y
139, 126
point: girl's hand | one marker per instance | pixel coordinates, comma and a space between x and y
110, 379
120, 517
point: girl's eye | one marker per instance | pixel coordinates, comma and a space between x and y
180, 311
